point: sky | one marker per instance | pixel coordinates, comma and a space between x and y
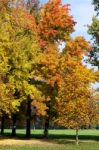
82, 11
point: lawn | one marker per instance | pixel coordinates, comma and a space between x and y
58, 140
67, 146
58, 134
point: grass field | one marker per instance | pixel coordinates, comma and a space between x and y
58, 140
58, 134
62, 147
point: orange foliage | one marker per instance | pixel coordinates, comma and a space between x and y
77, 47
66, 81
76, 105
23, 19
56, 23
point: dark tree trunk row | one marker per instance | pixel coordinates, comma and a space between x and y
28, 122
14, 120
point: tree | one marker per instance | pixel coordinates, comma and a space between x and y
96, 4
20, 53
25, 59
6, 94
94, 32
34, 69
7, 101
54, 27
76, 106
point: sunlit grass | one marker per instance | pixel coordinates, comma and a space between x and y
70, 146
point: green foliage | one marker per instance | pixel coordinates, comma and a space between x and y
93, 30
96, 4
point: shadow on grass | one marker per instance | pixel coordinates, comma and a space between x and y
81, 137
52, 138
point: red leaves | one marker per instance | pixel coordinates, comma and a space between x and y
55, 22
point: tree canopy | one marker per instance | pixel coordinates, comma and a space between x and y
34, 70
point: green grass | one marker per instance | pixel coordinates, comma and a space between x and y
88, 146
58, 131
58, 134
59, 139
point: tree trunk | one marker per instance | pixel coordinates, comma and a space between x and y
33, 126
28, 119
2, 125
46, 127
77, 142
13, 125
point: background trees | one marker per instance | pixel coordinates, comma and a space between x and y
96, 4
94, 32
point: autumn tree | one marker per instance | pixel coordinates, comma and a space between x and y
33, 68
20, 55
7, 100
25, 60
75, 104
55, 26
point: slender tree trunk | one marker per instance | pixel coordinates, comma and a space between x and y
46, 127
2, 125
77, 141
33, 126
14, 125
28, 119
